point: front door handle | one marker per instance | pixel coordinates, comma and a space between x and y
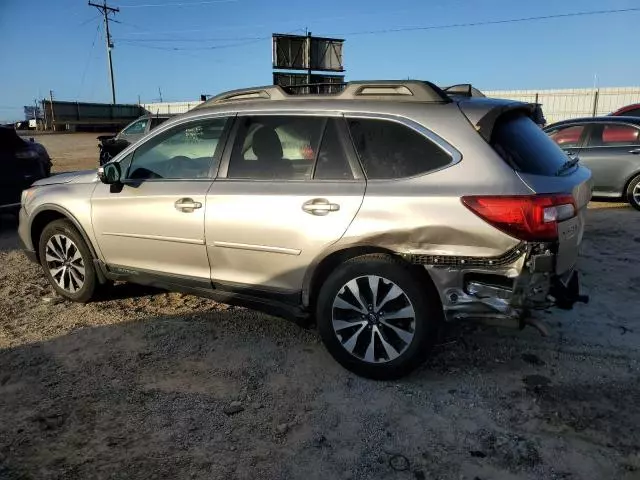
635, 151
320, 206
187, 205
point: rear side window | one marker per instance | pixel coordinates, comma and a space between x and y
524, 146
614, 135
390, 150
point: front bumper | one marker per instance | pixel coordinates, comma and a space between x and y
24, 241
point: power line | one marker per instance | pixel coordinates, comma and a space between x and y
179, 4
84, 72
106, 10
213, 47
490, 22
89, 20
218, 39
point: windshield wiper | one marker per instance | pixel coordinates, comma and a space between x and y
572, 162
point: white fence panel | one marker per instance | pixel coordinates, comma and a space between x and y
562, 104
165, 108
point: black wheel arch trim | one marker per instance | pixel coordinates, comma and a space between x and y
69, 216
628, 181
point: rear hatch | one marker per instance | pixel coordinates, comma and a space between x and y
546, 169
560, 187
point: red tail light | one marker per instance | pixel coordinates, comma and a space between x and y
526, 217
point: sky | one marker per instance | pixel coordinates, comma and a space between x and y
184, 48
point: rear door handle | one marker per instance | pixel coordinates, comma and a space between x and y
187, 205
635, 151
320, 206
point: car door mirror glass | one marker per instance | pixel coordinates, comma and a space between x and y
110, 173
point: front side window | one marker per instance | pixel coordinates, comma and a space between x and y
135, 128
567, 137
613, 135
183, 152
391, 150
276, 147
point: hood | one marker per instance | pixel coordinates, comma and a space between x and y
83, 176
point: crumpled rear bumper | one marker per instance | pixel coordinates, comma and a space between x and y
504, 290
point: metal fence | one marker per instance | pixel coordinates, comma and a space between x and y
574, 102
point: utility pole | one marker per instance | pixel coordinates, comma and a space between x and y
106, 10
53, 117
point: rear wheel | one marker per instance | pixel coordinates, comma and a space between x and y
633, 193
67, 261
376, 317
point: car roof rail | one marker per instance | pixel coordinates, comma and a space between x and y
407, 90
401, 90
269, 92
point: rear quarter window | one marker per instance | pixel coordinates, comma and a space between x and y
524, 146
390, 150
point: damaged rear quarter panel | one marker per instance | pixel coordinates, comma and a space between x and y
424, 216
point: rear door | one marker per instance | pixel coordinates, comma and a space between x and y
612, 153
542, 165
288, 188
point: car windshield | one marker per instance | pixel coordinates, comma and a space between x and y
523, 144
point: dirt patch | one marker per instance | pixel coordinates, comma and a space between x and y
70, 151
150, 384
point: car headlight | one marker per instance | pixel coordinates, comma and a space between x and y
26, 196
26, 154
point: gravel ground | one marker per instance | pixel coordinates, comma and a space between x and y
149, 384
157, 385
69, 151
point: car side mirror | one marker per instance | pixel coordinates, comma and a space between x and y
110, 173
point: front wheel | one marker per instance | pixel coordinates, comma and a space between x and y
377, 318
67, 261
633, 193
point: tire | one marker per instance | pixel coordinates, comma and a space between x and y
64, 256
411, 340
633, 193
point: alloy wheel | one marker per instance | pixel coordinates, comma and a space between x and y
636, 193
373, 319
65, 263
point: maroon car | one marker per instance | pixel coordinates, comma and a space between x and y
632, 110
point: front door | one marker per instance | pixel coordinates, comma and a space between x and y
155, 222
612, 153
287, 190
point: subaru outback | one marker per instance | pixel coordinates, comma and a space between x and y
379, 213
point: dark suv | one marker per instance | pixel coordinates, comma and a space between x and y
22, 163
610, 147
